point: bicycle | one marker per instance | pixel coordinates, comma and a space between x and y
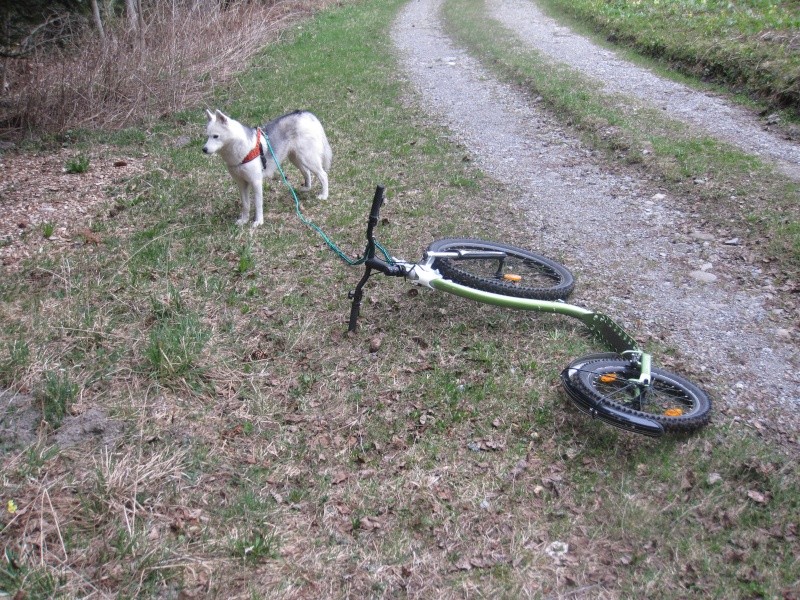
620, 387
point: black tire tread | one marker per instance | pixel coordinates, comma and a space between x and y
563, 281
683, 424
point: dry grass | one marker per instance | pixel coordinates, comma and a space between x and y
270, 454
184, 51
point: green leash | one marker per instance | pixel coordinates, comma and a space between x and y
308, 222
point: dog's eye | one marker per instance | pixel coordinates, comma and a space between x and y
216, 137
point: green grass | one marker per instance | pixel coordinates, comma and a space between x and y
747, 45
57, 394
78, 165
266, 452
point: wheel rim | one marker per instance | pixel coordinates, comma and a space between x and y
516, 271
661, 398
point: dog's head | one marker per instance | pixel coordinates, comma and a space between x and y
217, 131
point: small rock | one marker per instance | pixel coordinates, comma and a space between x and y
757, 497
703, 276
731, 242
702, 236
783, 334
557, 550
659, 197
713, 478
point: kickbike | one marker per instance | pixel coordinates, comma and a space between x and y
620, 387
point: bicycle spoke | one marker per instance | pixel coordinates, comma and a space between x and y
657, 398
665, 397
627, 395
510, 272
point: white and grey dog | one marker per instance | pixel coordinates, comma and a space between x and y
298, 136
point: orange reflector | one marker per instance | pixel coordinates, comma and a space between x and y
512, 278
673, 412
608, 378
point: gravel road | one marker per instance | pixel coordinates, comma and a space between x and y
651, 266
724, 121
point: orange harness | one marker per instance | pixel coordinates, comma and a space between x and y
255, 152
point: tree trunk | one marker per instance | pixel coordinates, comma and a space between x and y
140, 16
98, 22
132, 14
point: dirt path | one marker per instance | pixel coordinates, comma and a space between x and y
718, 118
651, 266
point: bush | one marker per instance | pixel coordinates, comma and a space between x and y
182, 51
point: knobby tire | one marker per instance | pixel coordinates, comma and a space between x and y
609, 382
542, 278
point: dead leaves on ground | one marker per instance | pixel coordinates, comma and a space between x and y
42, 192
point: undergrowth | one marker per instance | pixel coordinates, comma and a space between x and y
182, 51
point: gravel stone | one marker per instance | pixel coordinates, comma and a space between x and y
703, 276
633, 260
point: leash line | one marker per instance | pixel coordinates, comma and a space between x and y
309, 223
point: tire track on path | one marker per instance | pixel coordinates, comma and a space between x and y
636, 255
717, 117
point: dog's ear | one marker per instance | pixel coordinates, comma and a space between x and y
210, 115
222, 118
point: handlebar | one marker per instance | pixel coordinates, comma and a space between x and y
387, 268
377, 202
370, 262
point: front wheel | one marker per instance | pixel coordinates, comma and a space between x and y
513, 272
674, 402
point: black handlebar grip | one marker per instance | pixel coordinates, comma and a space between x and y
377, 202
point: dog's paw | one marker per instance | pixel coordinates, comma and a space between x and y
257, 223
322, 197
304, 188
241, 221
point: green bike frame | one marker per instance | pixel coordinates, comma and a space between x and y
603, 326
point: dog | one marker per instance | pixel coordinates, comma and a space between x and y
298, 136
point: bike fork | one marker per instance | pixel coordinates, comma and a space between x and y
356, 296
642, 383
644, 361
500, 265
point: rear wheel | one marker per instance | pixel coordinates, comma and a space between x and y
517, 273
676, 403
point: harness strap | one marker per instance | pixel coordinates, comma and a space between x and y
256, 151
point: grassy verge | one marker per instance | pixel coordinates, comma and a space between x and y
751, 46
266, 453
733, 190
